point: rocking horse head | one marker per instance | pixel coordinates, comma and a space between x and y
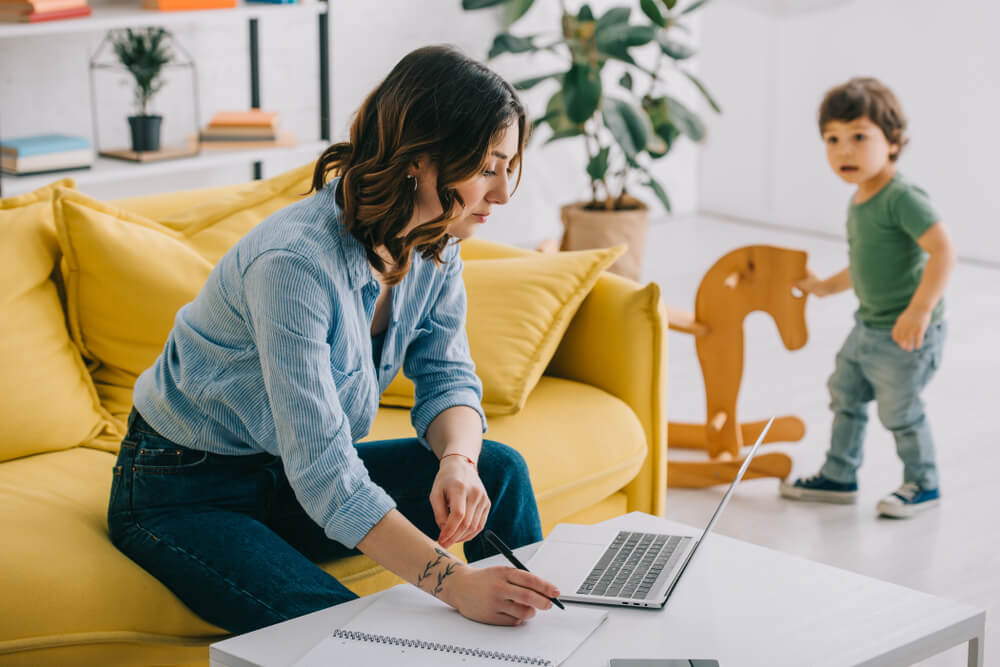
759, 277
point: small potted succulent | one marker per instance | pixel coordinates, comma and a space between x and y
144, 53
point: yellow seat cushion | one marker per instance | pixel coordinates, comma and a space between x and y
47, 400
581, 444
66, 584
518, 310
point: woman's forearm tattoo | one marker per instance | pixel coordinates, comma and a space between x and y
450, 568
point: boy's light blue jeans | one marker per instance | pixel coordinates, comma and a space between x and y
871, 366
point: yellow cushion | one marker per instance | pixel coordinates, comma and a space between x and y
66, 584
47, 401
127, 275
602, 444
213, 226
519, 308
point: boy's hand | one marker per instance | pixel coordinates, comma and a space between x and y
812, 284
910, 327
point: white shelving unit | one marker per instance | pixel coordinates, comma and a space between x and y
107, 170
107, 17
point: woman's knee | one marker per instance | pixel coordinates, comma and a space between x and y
503, 463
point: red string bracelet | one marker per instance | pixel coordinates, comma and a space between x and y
463, 456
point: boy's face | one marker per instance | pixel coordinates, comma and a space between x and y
857, 150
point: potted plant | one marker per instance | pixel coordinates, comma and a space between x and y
625, 125
144, 53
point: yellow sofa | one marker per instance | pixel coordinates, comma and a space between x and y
592, 431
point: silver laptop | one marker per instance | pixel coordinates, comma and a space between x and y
618, 567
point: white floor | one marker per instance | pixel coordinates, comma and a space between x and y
953, 551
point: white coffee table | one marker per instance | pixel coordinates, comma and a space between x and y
739, 603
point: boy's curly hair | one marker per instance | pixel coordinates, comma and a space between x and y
866, 97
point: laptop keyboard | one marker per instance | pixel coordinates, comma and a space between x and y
630, 565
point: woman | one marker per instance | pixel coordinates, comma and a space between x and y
241, 465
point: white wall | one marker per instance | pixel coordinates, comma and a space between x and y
43, 88
942, 60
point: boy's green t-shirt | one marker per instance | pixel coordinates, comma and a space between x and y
886, 262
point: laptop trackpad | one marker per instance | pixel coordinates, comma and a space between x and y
569, 553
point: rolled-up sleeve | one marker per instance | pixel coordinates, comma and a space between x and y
290, 312
438, 360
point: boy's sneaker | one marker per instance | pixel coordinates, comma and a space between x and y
908, 500
820, 489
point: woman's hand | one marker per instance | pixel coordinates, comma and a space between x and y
910, 327
459, 501
498, 595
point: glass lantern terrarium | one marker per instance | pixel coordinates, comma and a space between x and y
144, 96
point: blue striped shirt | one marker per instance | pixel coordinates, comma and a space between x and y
275, 355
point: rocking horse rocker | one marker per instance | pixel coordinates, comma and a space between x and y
745, 280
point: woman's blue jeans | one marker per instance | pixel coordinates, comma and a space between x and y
871, 366
228, 537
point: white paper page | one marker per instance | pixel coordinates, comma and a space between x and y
407, 613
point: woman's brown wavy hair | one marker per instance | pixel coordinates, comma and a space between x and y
436, 102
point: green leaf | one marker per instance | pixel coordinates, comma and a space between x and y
704, 91
545, 118
666, 131
555, 113
515, 9
693, 6
614, 16
585, 14
598, 165
673, 48
626, 81
626, 125
582, 90
650, 9
508, 43
616, 40
525, 84
565, 134
685, 119
661, 194
656, 146
670, 4
480, 4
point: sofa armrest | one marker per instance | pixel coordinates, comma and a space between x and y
617, 342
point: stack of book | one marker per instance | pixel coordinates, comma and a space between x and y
45, 152
33, 11
186, 5
244, 129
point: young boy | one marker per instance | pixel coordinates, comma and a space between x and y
900, 257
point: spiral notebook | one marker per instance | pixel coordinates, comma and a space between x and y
406, 626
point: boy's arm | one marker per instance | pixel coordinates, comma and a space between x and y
835, 284
908, 332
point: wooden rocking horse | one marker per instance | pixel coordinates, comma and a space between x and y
745, 280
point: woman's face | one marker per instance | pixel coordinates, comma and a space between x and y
481, 193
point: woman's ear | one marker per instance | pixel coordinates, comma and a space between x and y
420, 167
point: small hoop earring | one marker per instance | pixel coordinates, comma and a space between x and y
413, 178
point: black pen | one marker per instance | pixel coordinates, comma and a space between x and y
498, 544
